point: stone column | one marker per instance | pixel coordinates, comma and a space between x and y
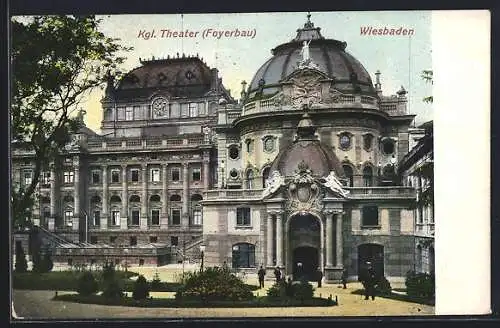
105, 198
279, 239
52, 191
144, 198
164, 202
339, 241
76, 187
206, 172
124, 213
185, 194
269, 239
329, 239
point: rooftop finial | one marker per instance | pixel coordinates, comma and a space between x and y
308, 24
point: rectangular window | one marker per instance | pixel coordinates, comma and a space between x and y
193, 109
155, 175
115, 217
196, 174
134, 175
370, 216
184, 110
243, 216
135, 217
121, 113
138, 112
174, 241
112, 239
46, 178
93, 239
176, 174
133, 240
68, 176
68, 218
96, 218
176, 217
155, 217
153, 239
28, 177
96, 177
197, 217
129, 113
115, 176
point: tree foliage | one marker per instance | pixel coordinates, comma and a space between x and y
56, 62
427, 76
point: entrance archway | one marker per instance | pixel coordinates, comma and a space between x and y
374, 254
308, 257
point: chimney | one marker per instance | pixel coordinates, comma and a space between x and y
215, 79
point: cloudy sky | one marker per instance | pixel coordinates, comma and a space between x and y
399, 58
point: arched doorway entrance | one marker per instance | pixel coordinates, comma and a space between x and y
374, 254
304, 246
309, 261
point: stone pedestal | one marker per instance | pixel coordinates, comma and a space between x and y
333, 274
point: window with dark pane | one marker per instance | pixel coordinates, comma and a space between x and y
370, 215
243, 216
243, 255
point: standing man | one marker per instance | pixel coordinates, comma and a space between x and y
369, 282
277, 274
261, 274
319, 276
344, 278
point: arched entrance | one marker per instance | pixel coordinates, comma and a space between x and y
308, 257
374, 254
304, 245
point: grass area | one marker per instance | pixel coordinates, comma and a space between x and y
399, 297
194, 303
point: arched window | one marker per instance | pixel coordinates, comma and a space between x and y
196, 198
115, 199
135, 199
348, 174
243, 255
175, 198
368, 176
154, 198
249, 178
265, 176
95, 200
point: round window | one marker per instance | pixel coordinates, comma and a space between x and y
233, 173
388, 146
345, 141
234, 152
269, 144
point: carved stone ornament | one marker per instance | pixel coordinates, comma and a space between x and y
333, 183
273, 183
160, 107
304, 191
306, 90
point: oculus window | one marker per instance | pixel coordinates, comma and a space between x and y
345, 141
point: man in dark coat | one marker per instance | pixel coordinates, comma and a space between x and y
277, 274
319, 276
344, 278
369, 281
261, 275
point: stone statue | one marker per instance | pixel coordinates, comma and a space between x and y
333, 183
305, 51
81, 114
273, 183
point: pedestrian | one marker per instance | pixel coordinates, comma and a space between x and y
277, 274
369, 282
261, 275
288, 287
344, 278
319, 276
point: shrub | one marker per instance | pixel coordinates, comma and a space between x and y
303, 291
420, 284
384, 286
112, 289
48, 264
156, 282
299, 291
141, 289
87, 285
108, 271
278, 290
214, 284
21, 263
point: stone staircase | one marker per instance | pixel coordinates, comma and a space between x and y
189, 252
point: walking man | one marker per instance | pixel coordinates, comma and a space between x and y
369, 282
261, 274
319, 276
277, 274
344, 278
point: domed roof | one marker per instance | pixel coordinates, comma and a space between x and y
329, 55
308, 149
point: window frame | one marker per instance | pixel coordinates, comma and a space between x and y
197, 217
155, 175
69, 177
132, 172
265, 141
27, 177
46, 178
243, 220
196, 171
153, 215
129, 113
193, 109
249, 261
349, 138
364, 219
96, 219
134, 217
68, 219
115, 172
115, 217
96, 173
175, 210
177, 171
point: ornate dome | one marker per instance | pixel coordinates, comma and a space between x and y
329, 55
319, 158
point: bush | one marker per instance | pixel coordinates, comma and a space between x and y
303, 291
298, 291
156, 282
420, 285
384, 286
141, 289
112, 289
21, 263
213, 284
278, 290
42, 264
87, 285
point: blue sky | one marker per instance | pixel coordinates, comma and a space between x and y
399, 58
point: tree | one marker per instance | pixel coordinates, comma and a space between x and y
56, 62
21, 263
87, 285
141, 288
